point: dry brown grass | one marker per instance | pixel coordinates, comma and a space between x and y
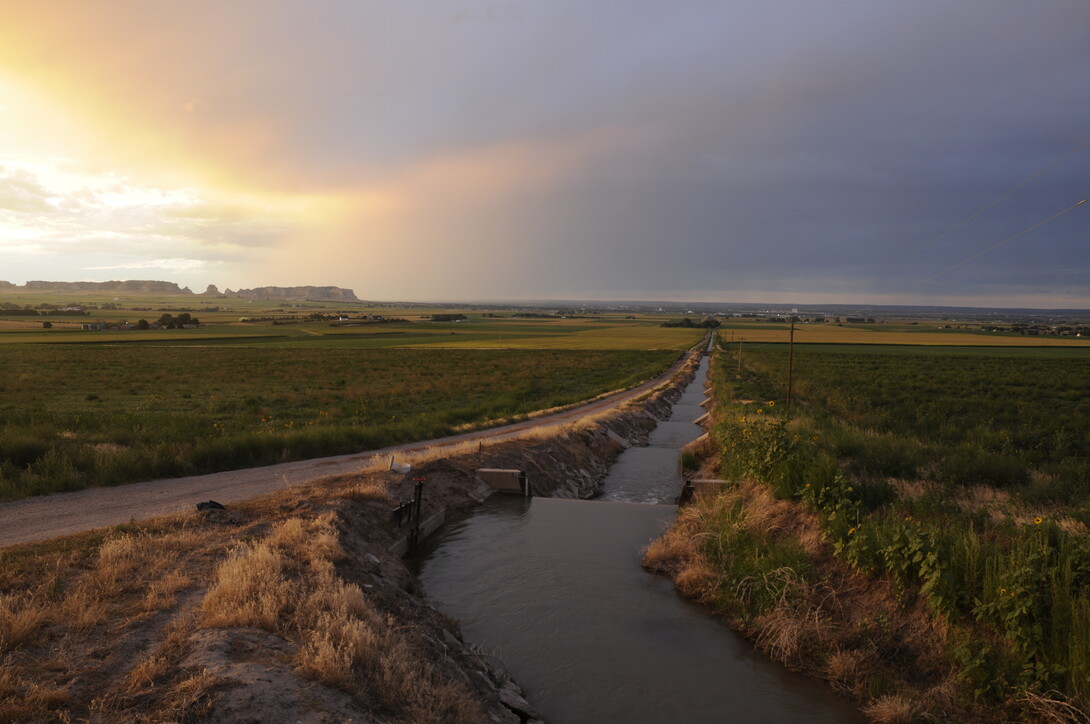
667, 551
890, 709
46, 696
780, 517
162, 593
287, 584
794, 628
834, 622
146, 672
377, 490
564, 429
249, 590
189, 699
845, 667
1051, 707
993, 501
277, 565
83, 609
21, 616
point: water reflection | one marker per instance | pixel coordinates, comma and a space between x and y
652, 474
555, 589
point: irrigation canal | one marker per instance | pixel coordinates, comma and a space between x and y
555, 589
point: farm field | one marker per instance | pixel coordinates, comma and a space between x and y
291, 327
959, 477
260, 382
78, 415
923, 333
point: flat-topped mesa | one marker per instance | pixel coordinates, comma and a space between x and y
141, 286
132, 286
315, 293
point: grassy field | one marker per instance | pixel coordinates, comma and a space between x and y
78, 415
921, 333
268, 381
288, 327
959, 477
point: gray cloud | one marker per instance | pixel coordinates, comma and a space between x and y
788, 146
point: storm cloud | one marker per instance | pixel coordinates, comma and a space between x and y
750, 151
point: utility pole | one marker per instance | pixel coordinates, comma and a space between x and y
418, 501
790, 362
739, 356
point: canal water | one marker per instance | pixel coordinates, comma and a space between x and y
555, 589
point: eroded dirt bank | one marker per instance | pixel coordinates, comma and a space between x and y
765, 565
292, 607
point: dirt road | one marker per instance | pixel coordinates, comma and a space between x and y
41, 518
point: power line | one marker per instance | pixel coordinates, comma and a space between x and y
1078, 147
1008, 239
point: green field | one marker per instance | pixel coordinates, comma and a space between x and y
262, 382
268, 381
897, 332
960, 475
281, 326
78, 415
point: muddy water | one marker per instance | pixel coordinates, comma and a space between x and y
555, 589
651, 474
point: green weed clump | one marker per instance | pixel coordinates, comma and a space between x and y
891, 451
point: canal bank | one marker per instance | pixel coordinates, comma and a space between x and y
555, 589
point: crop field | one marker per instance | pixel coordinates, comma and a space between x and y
77, 415
923, 333
292, 329
960, 475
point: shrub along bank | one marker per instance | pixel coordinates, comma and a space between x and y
922, 577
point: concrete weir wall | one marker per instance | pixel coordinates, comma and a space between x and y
570, 461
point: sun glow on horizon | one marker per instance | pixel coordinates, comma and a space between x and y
60, 202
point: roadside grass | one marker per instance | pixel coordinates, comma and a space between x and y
78, 416
958, 481
287, 584
101, 624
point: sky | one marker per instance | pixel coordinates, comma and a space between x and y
779, 151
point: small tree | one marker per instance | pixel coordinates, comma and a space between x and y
142, 324
47, 325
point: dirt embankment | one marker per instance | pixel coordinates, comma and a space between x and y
290, 607
871, 641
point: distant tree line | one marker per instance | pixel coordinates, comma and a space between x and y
28, 312
707, 323
168, 321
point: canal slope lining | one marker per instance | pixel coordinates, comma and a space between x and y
371, 648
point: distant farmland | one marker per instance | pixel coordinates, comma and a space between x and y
73, 416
